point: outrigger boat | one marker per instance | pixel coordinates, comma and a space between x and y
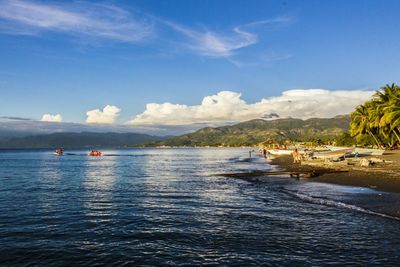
59, 152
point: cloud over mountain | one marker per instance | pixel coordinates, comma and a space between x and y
108, 115
228, 107
52, 118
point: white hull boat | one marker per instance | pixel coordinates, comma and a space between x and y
333, 154
280, 151
360, 151
369, 151
283, 151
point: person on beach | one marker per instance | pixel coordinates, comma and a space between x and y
296, 156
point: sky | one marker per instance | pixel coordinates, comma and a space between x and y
164, 64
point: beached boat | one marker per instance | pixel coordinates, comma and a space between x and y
359, 150
369, 151
275, 151
333, 154
280, 151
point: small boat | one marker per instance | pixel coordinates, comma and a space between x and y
336, 148
369, 151
275, 151
59, 152
360, 151
333, 154
95, 153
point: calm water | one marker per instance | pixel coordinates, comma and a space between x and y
165, 207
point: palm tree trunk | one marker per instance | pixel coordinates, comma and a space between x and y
394, 130
376, 139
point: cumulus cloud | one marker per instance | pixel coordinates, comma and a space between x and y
108, 115
52, 118
228, 107
78, 18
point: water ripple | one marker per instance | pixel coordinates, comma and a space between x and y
164, 208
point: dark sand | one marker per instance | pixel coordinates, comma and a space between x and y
382, 176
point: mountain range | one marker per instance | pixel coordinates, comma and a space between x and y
246, 133
256, 131
79, 140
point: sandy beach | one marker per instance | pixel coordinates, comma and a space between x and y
384, 176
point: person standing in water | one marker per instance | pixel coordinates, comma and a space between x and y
264, 151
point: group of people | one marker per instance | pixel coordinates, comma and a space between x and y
95, 153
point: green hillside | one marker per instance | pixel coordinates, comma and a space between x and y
256, 131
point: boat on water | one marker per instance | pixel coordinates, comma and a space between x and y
59, 152
360, 151
95, 153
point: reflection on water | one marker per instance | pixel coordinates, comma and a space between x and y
98, 180
165, 207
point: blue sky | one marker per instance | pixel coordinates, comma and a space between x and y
72, 57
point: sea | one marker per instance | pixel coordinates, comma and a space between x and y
169, 207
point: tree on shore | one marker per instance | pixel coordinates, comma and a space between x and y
379, 118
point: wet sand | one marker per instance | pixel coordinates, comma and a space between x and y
381, 176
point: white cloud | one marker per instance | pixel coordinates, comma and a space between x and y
108, 115
79, 18
52, 118
227, 107
101, 21
217, 44
209, 43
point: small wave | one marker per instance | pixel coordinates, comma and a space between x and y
110, 155
239, 160
337, 204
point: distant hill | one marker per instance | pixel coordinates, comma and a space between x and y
256, 131
79, 140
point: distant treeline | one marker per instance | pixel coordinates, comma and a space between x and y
80, 140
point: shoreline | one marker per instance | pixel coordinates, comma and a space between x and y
385, 180
381, 176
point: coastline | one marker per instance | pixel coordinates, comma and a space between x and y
386, 181
383, 176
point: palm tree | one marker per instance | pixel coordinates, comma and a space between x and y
379, 117
361, 122
388, 93
388, 102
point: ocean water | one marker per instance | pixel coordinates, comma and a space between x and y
166, 207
